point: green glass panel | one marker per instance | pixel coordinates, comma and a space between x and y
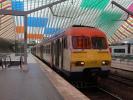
0, 5
108, 19
97, 4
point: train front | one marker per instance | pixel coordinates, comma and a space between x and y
90, 54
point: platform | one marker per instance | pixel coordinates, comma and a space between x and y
124, 65
122, 68
38, 83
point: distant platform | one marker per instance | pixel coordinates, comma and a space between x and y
124, 65
123, 68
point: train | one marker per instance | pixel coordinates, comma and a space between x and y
122, 48
78, 52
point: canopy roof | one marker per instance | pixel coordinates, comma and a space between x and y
56, 18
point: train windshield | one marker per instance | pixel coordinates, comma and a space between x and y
99, 43
81, 42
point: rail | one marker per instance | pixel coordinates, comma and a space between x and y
121, 79
116, 97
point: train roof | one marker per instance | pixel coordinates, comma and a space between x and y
129, 40
124, 42
84, 30
82, 26
78, 30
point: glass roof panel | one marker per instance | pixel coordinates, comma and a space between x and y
96, 4
7, 29
55, 18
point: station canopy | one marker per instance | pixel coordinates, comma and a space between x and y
61, 14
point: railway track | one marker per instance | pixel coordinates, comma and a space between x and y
109, 89
99, 93
126, 74
111, 94
116, 84
115, 87
122, 80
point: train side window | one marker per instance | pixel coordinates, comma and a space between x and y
44, 49
48, 49
119, 50
59, 46
65, 42
51, 49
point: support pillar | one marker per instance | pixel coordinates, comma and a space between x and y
25, 39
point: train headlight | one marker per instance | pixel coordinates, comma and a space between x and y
105, 62
80, 63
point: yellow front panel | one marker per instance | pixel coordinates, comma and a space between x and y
92, 58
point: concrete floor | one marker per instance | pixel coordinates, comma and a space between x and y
31, 85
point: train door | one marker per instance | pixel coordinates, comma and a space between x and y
63, 47
61, 53
52, 53
41, 52
57, 53
129, 48
65, 53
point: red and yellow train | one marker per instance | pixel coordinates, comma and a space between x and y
79, 51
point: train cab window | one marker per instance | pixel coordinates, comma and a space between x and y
99, 43
81, 42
